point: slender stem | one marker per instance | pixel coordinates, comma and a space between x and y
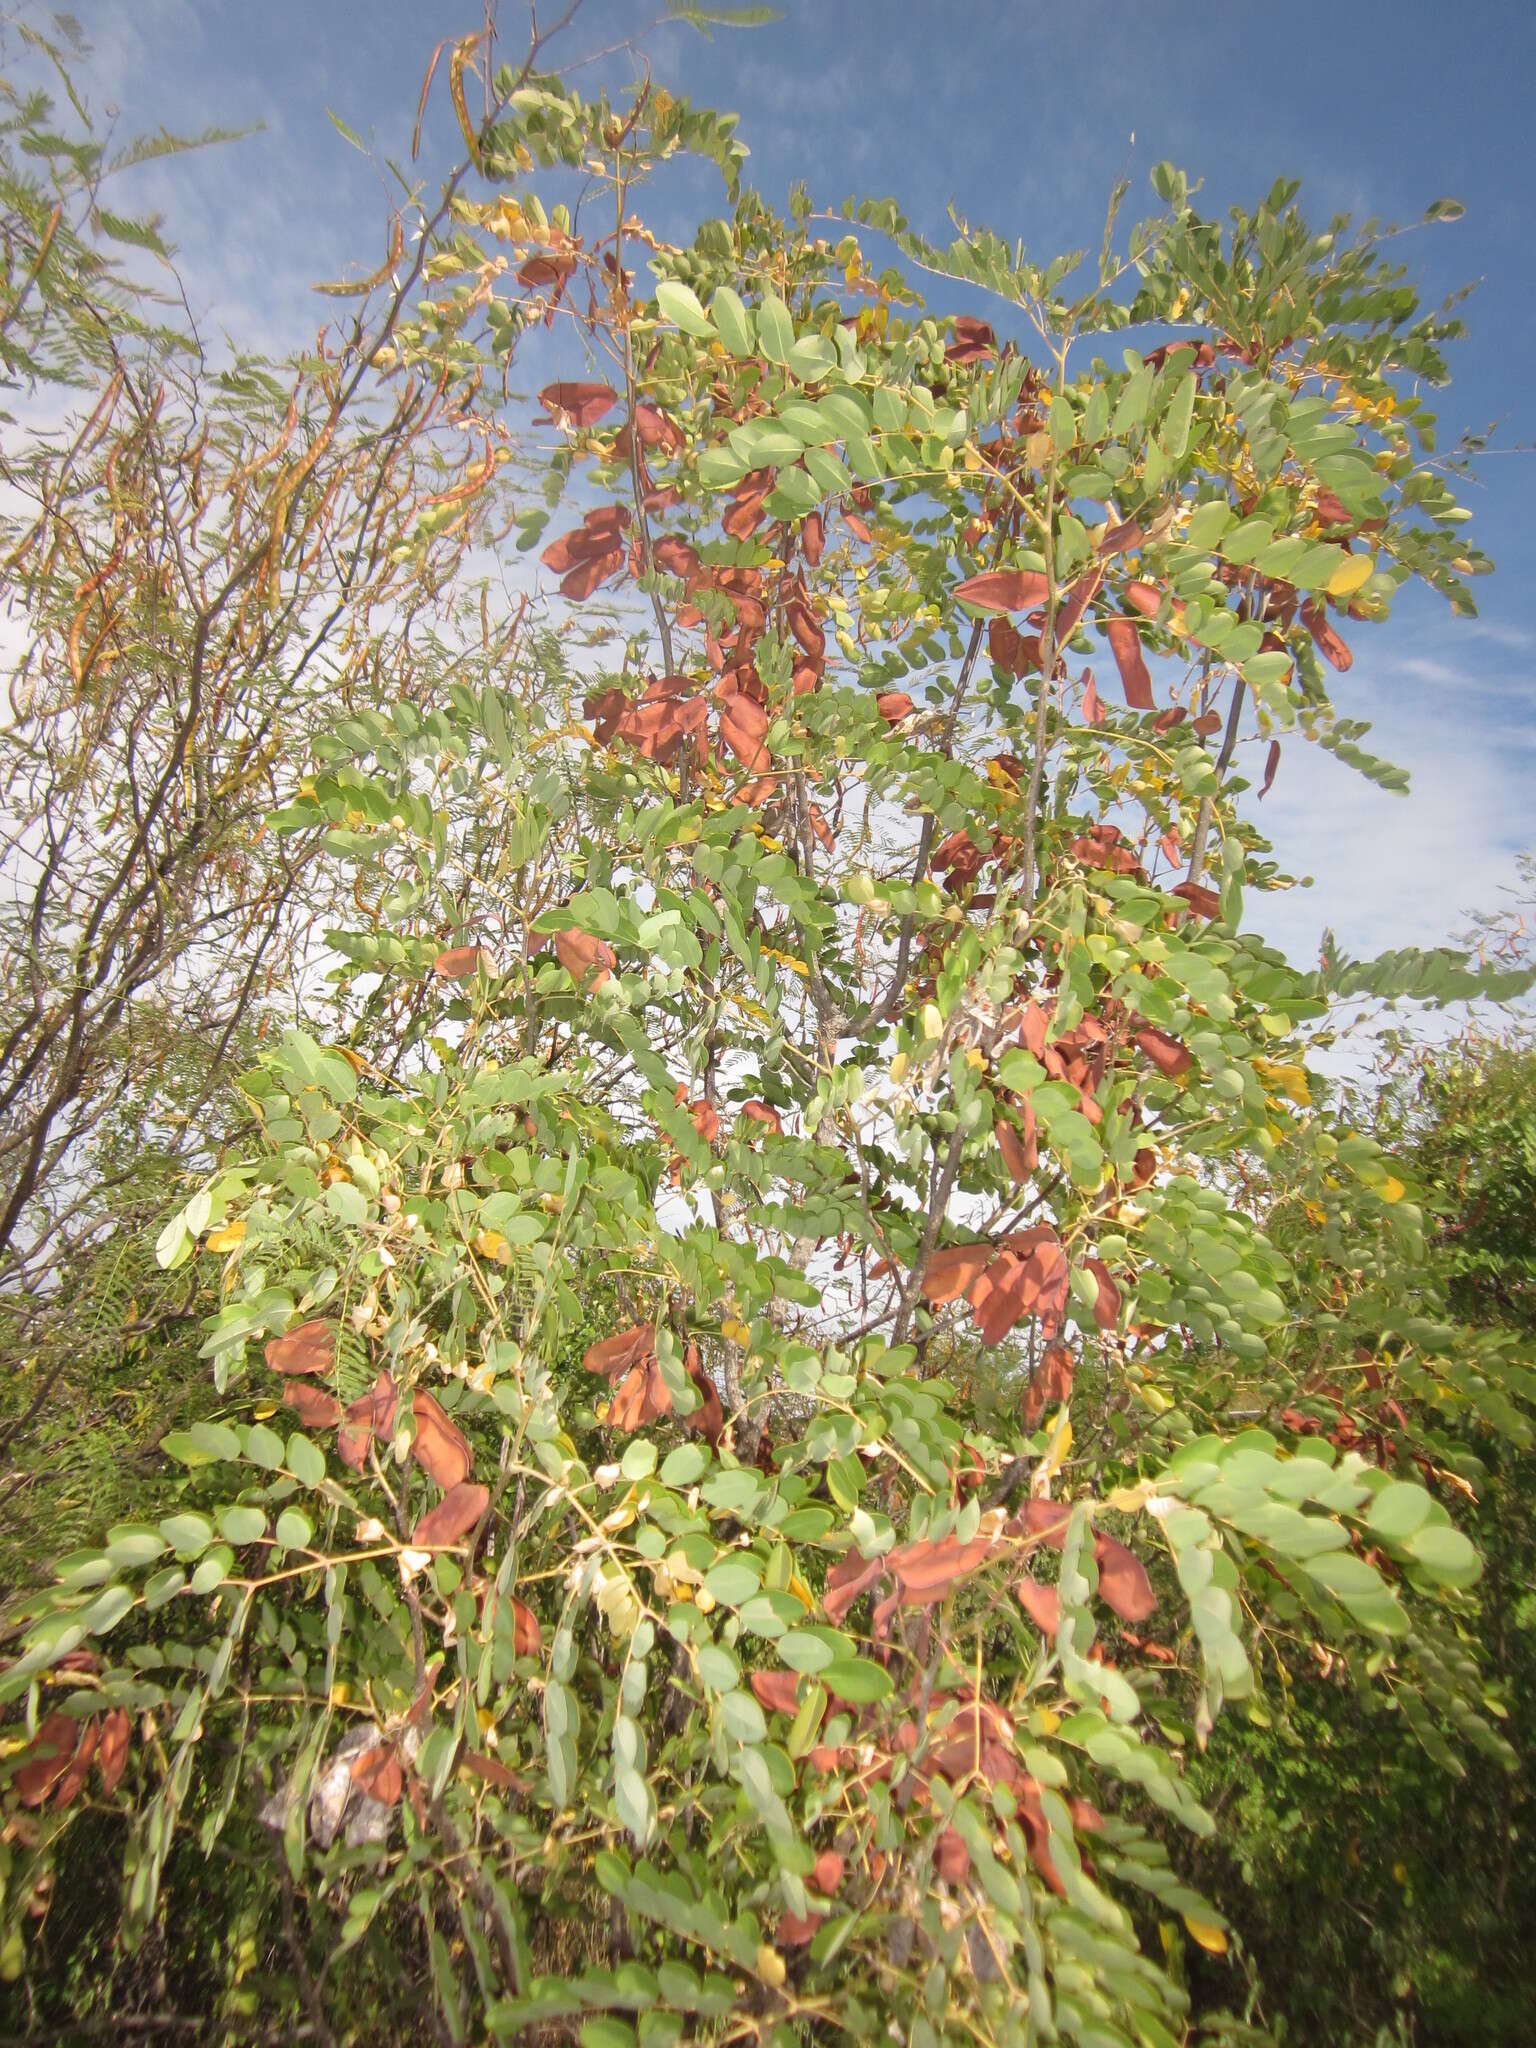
883, 1007
938, 1203
1047, 668
1208, 802
621, 300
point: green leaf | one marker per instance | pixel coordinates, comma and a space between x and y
764, 443
732, 1581
743, 1717
182, 1445
864, 459
188, 1534
720, 468
305, 1460
680, 305
1175, 435
718, 1668
213, 1569
639, 1459
682, 1466
1134, 400
825, 470
1398, 1510
859, 1680
1445, 1554
1246, 542
1268, 668
240, 1525
347, 1203
173, 1247
1361, 1589
705, 15
775, 329
107, 1610
606, 2032
294, 1529
736, 1492
732, 322
802, 1651
134, 1545
1208, 522
215, 1439
347, 134
264, 1446
163, 1586
796, 492
631, 1795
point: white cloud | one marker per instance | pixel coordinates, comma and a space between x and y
1394, 871
1519, 639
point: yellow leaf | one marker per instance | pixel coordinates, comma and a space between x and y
1057, 1449
227, 1236
1285, 1078
1351, 573
770, 1966
1391, 1189
735, 1332
899, 1067
1210, 1937
1130, 1500
933, 1023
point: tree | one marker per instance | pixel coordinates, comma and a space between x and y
199, 561
629, 1632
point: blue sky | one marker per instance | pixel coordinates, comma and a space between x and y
1022, 115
